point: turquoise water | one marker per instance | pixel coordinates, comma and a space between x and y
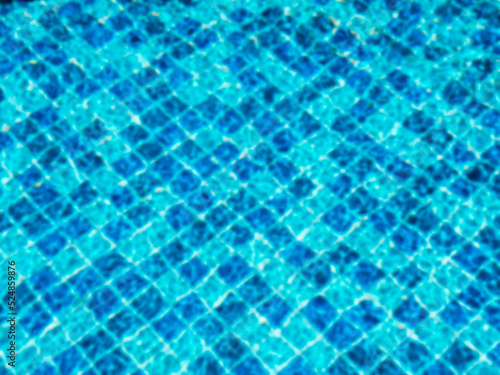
251, 187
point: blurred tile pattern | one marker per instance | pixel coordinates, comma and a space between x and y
252, 187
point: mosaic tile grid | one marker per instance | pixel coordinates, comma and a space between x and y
252, 187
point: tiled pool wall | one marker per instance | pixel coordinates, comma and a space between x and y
251, 187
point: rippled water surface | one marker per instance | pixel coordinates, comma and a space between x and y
251, 187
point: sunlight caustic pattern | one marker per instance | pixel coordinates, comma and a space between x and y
251, 187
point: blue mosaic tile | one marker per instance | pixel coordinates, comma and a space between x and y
251, 187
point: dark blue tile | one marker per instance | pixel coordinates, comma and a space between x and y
242, 201
84, 194
254, 290
125, 323
59, 298
246, 169
494, 355
383, 221
71, 74
104, 302
339, 219
185, 182
44, 46
35, 320
230, 122
281, 203
413, 355
260, 219
234, 270
230, 350
194, 271
211, 107
343, 155
116, 362
470, 258
45, 369
130, 284
410, 276
342, 334
297, 367
279, 236
318, 274
85, 281
87, 88
362, 202
128, 165
89, 162
455, 315
462, 188
301, 187
97, 36
238, 235
365, 354
341, 367
319, 312
365, 315
36, 146
43, 279
407, 239
220, 217
122, 197
118, 229
283, 170
134, 134
489, 277
4, 222
341, 257
20, 209
445, 239
387, 367
51, 244
276, 310
297, 254
206, 364
141, 215
119, 22
149, 304
134, 39
198, 234
366, 274
424, 219
492, 313
231, 309
460, 356
52, 158
226, 152
190, 307
176, 252
438, 368
166, 167
410, 312
70, 361
488, 239
36, 225
403, 203
250, 366
154, 266
206, 167
400, 170
341, 185
460, 154
169, 326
